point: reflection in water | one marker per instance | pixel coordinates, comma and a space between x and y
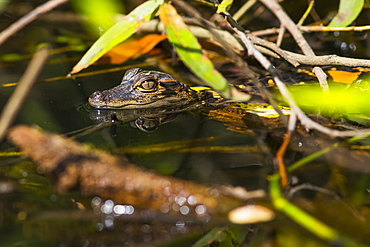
144, 227
110, 211
147, 120
31, 214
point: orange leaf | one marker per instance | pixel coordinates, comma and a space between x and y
132, 49
345, 77
118, 33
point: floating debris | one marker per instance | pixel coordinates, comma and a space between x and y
94, 172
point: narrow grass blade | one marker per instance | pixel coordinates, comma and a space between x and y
307, 221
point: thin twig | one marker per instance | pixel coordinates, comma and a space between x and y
266, 47
279, 158
29, 77
306, 121
332, 60
308, 10
239, 62
199, 32
290, 25
297, 35
296, 111
280, 36
273, 47
31, 16
308, 29
322, 77
269, 31
244, 9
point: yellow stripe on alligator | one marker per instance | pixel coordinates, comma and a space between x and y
200, 88
262, 109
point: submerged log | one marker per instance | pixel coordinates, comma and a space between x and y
95, 172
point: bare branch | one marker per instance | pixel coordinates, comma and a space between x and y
308, 29
297, 35
306, 121
290, 25
239, 62
30, 17
333, 60
264, 46
29, 77
241, 11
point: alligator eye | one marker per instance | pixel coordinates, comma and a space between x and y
147, 124
147, 85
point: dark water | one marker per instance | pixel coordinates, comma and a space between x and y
33, 214
334, 188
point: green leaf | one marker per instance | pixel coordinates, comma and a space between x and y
217, 234
224, 6
118, 33
99, 14
189, 50
339, 100
350, 103
348, 12
305, 220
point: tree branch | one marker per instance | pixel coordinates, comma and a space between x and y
264, 46
30, 17
297, 35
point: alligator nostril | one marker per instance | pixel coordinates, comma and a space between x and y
96, 97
